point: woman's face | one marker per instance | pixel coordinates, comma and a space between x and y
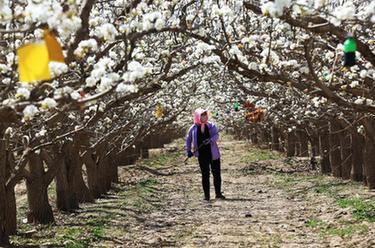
204, 117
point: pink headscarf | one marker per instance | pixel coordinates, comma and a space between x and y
197, 115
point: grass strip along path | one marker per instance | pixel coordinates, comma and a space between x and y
272, 202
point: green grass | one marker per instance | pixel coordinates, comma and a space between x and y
314, 223
256, 154
361, 209
163, 160
341, 228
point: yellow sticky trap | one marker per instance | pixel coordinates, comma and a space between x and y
33, 62
159, 112
53, 46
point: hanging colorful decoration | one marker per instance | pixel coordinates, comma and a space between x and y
34, 58
159, 112
350, 47
255, 116
249, 105
236, 106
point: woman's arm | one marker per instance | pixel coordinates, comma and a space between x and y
188, 140
214, 133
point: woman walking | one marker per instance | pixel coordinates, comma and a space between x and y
202, 137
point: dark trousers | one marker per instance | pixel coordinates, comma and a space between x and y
205, 163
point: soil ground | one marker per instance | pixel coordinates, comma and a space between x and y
272, 201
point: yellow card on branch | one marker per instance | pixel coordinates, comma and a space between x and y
34, 58
33, 62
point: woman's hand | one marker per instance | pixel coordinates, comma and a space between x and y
190, 154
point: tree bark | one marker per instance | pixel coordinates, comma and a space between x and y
4, 237
369, 154
291, 144
11, 209
325, 165
76, 178
40, 210
275, 136
66, 199
356, 172
346, 154
335, 150
304, 143
89, 160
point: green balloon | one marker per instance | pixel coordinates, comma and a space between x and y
350, 45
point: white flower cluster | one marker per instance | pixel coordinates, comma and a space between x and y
101, 68
134, 72
108, 81
203, 48
223, 11
370, 11
275, 8
354, 84
86, 46
23, 93
364, 101
57, 68
65, 23
60, 92
48, 103
5, 12
274, 58
153, 20
124, 88
4, 68
41, 133
290, 63
29, 112
361, 129
235, 51
318, 101
344, 12
106, 32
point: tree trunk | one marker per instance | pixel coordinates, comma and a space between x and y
40, 210
4, 237
78, 184
275, 136
325, 165
254, 138
335, 150
291, 144
356, 172
92, 173
315, 146
369, 154
346, 155
11, 211
66, 199
304, 143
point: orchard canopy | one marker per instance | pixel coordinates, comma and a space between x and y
121, 71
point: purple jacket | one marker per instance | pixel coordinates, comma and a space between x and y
192, 139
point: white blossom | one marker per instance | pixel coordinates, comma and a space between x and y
23, 93
29, 112
48, 103
86, 46
124, 88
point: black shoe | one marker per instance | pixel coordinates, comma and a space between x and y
206, 199
220, 196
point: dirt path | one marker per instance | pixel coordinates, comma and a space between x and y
264, 208
267, 206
